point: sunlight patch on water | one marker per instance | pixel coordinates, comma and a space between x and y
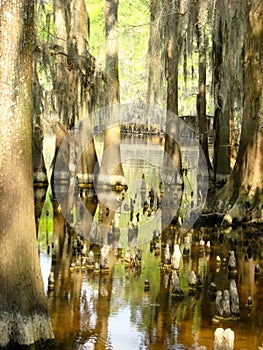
89, 345
122, 333
45, 263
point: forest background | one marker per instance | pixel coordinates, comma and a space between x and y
199, 58
196, 59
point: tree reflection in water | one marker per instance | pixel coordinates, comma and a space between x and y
112, 310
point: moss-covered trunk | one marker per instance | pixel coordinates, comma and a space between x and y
201, 96
39, 167
73, 85
227, 60
82, 90
243, 191
172, 163
155, 54
24, 316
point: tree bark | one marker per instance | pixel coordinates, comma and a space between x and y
60, 81
74, 97
172, 164
111, 171
24, 315
61, 86
221, 144
39, 167
154, 54
243, 191
227, 50
82, 92
112, 65
217, 60
201, 96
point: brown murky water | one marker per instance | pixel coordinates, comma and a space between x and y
114, 311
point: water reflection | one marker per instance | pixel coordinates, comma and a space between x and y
110, 308
113, 311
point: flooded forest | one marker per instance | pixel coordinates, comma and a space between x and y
131, 174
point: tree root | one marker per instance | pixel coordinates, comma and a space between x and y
24, 330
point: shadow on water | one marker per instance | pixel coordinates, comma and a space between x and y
122, 296
48, 345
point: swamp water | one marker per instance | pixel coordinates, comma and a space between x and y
114, 311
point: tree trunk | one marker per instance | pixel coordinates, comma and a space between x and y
74, 97
201, 96
172, 165
60, 82
112, 65
111, 171
24, 315
221, 162
227, 34
39, 167
81, 92
221, 145
40, 178
154, 54
61, 79
243, 191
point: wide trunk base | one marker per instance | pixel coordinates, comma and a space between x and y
246, 208
242, 212
24, 330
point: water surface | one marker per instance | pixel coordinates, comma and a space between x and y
113, 311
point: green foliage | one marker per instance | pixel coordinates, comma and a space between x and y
133, 25
97, 28
46, 224
134, 29
45, 21
134, 34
